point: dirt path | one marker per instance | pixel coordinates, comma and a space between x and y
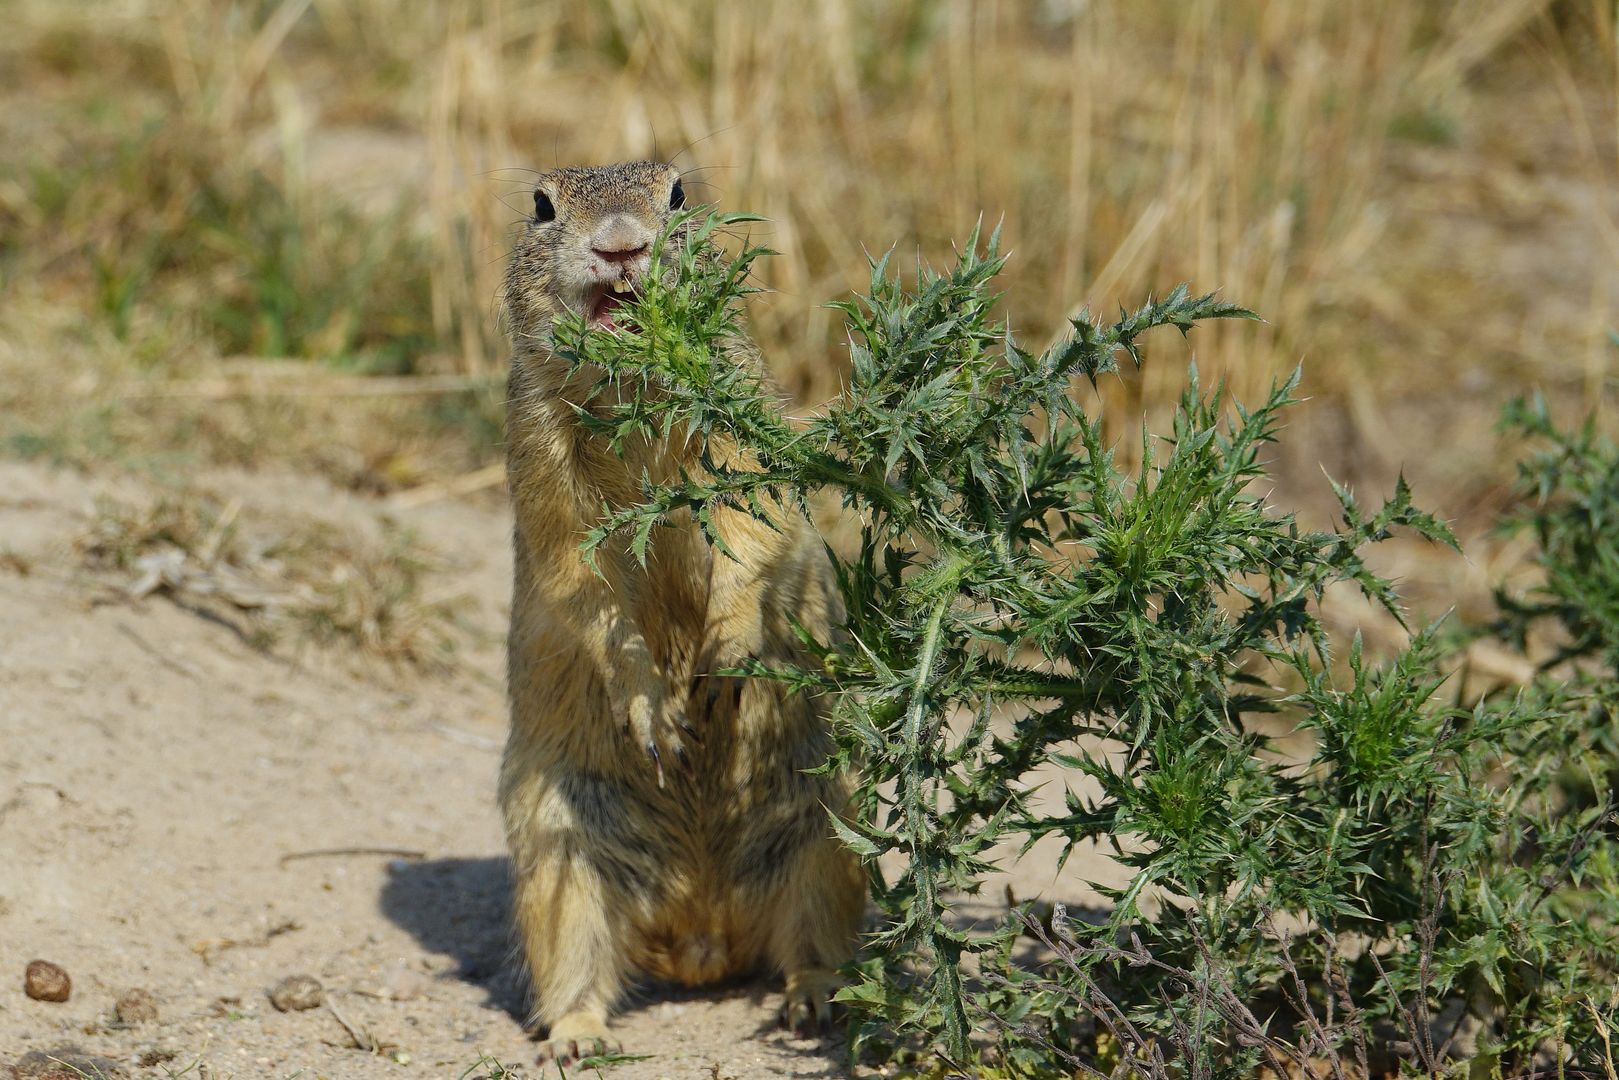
156, 772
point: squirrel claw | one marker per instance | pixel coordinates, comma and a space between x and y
803, 1019
806, 1007
565, 1052
574, 1038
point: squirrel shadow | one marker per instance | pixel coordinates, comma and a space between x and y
461, 908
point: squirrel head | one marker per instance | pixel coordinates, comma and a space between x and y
588, 242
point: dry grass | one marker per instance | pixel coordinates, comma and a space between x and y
1419, 196
294, 584
75, 395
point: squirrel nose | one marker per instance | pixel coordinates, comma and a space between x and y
619, 254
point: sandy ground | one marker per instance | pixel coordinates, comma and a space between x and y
164, 788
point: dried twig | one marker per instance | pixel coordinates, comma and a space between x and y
324, 853
207, 950
362, 1038
310, 385
487, 477
1603, 1034
156, 654
467, 738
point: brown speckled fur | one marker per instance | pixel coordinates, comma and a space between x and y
727, 865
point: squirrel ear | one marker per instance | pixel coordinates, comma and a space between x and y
543, 210
677, 196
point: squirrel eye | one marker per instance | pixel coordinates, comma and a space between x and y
677, 196
543, 210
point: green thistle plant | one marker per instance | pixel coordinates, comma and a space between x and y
1019, 605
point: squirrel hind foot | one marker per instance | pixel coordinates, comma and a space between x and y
578, 1035
806, 1007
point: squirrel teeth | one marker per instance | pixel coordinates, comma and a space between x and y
622, 285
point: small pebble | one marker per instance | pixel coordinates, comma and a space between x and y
400, 985
296, 993
46, 981
136, 1007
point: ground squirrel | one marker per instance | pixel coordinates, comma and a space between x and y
660, 817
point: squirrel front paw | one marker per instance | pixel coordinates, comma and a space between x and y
654, 720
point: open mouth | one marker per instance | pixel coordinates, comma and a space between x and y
607, 298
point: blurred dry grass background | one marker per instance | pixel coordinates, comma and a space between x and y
221, 222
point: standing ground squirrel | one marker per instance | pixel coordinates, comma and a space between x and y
660, 817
